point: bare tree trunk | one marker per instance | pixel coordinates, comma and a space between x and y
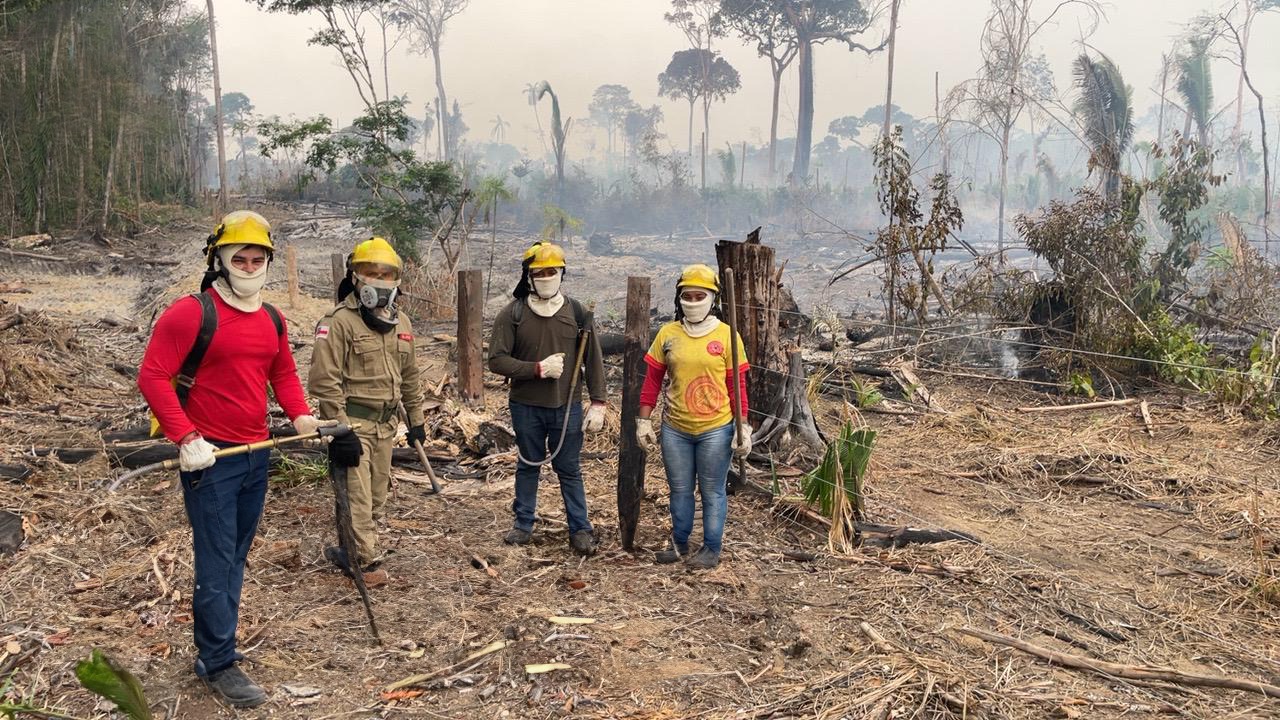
773, 124
1004, 183
888, 94
691, 102
804, 116
217, 117
1237, 135
1164, 84
444, 102
111, 173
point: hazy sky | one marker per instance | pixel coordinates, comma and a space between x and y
496, 47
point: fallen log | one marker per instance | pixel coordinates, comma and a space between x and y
1079, 406
14, 473
33, 256
1129, 672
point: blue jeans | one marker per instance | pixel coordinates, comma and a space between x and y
224, 503
537, 432
705, 457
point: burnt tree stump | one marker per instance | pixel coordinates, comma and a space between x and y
776, 390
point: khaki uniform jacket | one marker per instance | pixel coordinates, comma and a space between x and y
352, 363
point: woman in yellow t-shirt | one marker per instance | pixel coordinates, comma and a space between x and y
698, 438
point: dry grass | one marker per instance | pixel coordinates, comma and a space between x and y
1098, 539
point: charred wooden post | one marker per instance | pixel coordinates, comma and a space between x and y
338, 263
631, 457
291, 263
776, 384
470, 319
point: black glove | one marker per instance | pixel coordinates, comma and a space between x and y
345, 450
417, 434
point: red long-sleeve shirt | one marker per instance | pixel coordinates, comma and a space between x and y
229, 398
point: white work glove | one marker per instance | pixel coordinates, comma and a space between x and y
307, 424
552, 367
196, 454
742, 440
644, 434
594, 421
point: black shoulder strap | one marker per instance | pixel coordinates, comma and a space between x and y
579, 314
275, 317
208, 325
517, 312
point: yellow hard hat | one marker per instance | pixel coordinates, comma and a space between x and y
242, 227
376, 250
544, 255
699, 276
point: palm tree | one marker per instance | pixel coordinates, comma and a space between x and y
1195, 84
1105, 108
531, 93
493, 189
559, 132
499, 132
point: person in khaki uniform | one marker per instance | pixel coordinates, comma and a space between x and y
363, 366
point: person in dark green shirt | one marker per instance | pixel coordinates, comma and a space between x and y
534, 343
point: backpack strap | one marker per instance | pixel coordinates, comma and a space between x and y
275, 317
208, 325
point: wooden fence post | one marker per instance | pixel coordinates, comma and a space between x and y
291, 262
338, 262
631, 457
470, 320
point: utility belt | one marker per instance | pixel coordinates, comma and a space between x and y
377, 415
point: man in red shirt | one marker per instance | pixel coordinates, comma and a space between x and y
225, 404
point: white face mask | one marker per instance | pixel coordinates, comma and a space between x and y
696, 312
547, 287
245, 285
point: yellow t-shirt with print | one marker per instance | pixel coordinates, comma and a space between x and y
697, 372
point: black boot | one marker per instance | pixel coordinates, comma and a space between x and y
516, 536
583, 543
338, 557
704, 559
235, 688
673, 552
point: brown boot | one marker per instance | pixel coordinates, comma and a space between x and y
375, 575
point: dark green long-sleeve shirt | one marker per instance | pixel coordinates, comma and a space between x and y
515, 352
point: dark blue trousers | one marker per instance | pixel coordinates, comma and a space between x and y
224, 503
537, 433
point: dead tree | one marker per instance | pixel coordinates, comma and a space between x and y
776, 384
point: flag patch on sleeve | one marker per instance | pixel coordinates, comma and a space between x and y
407, 337
322, 332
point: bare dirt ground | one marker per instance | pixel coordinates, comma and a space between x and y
1099, 538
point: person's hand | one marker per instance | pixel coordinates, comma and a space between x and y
345, 450
645, 435
307, 424
551, 367
196, 453
594, 421
742, 440
417, 434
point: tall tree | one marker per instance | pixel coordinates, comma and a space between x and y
1241, 32
1195, 85
531, 94
499, 132
1240, 35
237, 111
559, 134
426, 21
696, 19
760, 22
493, 190
1104, 108
1014, 75
217, 112
893, 41
682, 80
608, 109
815, 22
638, 125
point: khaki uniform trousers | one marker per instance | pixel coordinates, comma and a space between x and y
368, 484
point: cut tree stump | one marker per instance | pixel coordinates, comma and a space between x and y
776, 384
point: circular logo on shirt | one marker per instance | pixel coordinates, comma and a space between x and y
715, 347
704, 397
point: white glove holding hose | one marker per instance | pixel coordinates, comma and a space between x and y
552, 367
594, 421
645, 435
196, 454
307, 424
742, 440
